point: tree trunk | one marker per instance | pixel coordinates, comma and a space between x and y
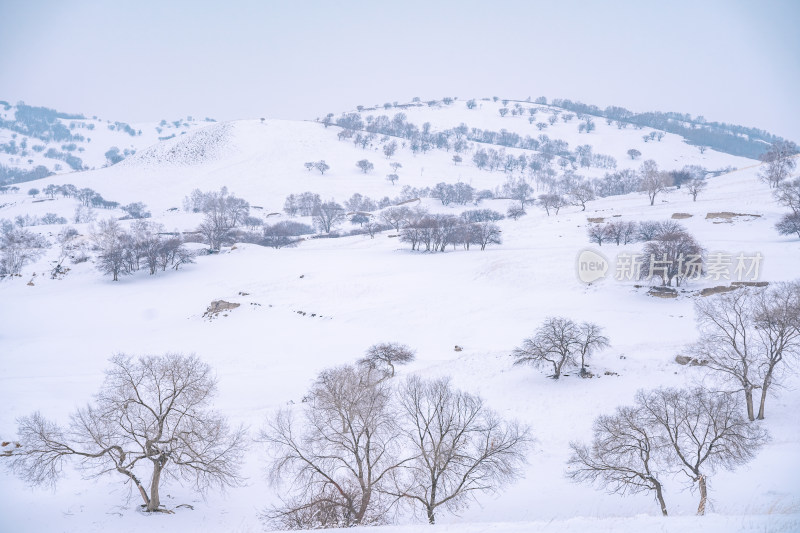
660, 498
748, 397
431, 516
701, 509
761, 404
764, 389
155, 501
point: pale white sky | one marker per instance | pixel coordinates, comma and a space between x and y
732, 61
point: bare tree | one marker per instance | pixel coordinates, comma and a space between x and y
396, 216
389, 149
777, 321
580, 193
789, 224
590, 339
327, 215
384, 356
552, 201
623, 457
702, 431
364, 165
621, 232
787, 193
598, 233
19, 247
112, 243
695, 187
726, 344
778, 163
459, 447
515, 212
674, 254
336, 465
392, 177
560, 342
634, 153
653, 181
322, 166
484, 233
223, 212
151, 411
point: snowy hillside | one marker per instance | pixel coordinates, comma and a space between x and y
324, 302
37, 141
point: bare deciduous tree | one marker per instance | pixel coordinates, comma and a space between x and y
621, 232
580, 193
598, 233
338, 462
364, 165
396, 216
695, 187
322, 166
787, 193
459, 447
674, 254
223, 212
748, 336
18, 247
653, 181
789, 224
327, 215
152, 411
552, 201
384, 356
560, 342
778, 162
623, 457
702, 431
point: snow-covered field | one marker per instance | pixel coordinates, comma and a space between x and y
57, 335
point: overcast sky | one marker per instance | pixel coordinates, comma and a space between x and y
731, 61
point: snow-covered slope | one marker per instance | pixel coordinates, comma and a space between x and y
63, 143
56, 335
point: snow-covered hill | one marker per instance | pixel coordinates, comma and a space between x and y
37, 140
57, 334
